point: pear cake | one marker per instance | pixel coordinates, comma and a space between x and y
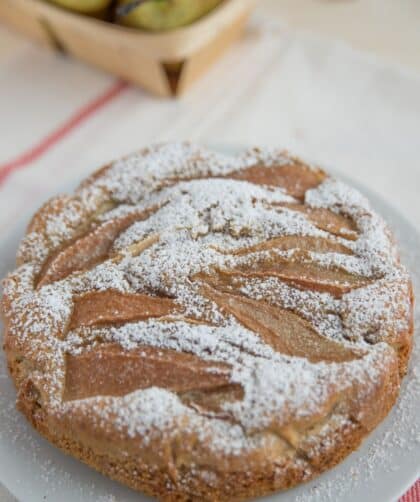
205, 327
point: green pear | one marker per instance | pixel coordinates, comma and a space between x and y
84, 6
158, 15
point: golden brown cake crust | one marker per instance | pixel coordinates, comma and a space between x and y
204, 327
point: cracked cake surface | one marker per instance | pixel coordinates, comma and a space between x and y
208, 327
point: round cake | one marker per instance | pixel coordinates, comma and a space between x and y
208, 327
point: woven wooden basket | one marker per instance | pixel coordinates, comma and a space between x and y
165, 63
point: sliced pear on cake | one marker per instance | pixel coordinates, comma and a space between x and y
159, 15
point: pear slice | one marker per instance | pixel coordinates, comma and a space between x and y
90, 248
302, 274
327, 220
285, 331
110, 370
287, 242
104, 307
295, 177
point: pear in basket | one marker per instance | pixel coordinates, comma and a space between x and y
158, 15
84, 6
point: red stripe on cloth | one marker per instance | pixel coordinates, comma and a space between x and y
38, 150
413, 494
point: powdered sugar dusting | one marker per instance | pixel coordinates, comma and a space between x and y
199, 224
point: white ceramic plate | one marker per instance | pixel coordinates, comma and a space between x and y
381, 470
